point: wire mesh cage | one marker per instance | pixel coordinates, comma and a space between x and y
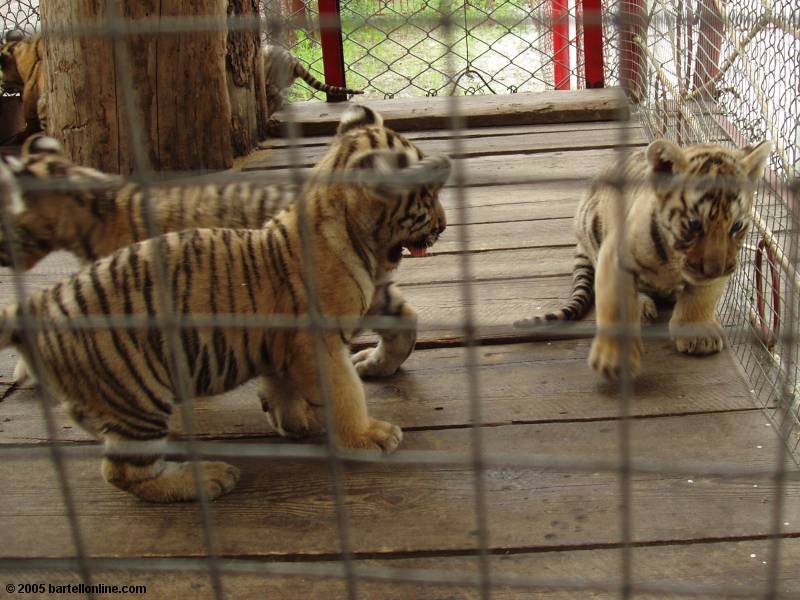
728, 73
19, 15
22, 16
400, 49
489, 502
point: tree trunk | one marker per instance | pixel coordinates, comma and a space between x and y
246, 83
182, 98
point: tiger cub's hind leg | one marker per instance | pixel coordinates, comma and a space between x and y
288, 413
150, 477
647, 308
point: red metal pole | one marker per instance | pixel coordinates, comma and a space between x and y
332, 50
593, 43
632, 13
561, 62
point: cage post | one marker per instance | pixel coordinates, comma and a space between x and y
332, 49
632, 26
561, 61
710, 42
592, 43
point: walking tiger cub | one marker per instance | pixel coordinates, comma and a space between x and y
281, 68
120, 384
94, 213
686, 215
23, 72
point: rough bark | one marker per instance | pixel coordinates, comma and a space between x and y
246, 85
181, 101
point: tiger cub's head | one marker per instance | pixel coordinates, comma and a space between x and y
705, 195
60, 204
394, 200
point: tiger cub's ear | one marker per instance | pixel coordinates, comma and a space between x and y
42, 144
14, 35
390, 174
357, 116
666, 160
755, 159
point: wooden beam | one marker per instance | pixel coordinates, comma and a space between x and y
405, 114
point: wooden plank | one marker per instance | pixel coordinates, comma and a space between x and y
404, 114
518, 383
570, 168
474, 146
724, 565
533, 210
284, 507
435, 268
500, 264
613, 127
541, 233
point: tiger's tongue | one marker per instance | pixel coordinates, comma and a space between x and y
418, 252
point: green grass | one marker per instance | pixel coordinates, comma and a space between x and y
394, 52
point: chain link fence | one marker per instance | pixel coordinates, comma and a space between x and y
18, 15
399, 48
729, 72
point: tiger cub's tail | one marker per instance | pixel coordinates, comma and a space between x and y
303, 73
580, 300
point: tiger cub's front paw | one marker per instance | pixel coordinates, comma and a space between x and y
379, 435
606, 356
707, 339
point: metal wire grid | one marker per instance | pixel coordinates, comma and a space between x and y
729, 73
21, 15
399, 48
476, 458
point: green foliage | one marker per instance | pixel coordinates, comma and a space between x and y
401, 47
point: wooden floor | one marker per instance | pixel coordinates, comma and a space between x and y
538, 399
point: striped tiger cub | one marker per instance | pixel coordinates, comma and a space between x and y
91, 214
686, 215
120, 384
281, 69
94, 213
22, 72
100, 213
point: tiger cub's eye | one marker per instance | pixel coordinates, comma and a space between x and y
737, 226
695, 225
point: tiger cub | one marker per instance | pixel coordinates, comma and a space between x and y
120, 384
686, 215
281, 68
23, 72
95, 213
104, 213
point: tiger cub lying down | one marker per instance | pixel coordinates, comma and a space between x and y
120, 384
101, 213
686, 215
